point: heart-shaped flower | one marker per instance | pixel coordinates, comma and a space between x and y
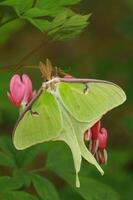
20, 90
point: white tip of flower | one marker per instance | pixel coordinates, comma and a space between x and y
105, 156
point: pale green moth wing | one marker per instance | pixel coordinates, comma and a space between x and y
100, 98
43, 127
84, 110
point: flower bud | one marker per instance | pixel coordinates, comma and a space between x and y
20, 90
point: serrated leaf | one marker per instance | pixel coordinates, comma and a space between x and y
60, 23
66, 27
48, 12
45, 189
41, 24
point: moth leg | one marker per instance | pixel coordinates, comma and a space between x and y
86, 88
34, 113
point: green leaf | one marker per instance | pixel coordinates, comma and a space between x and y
51, 17
46, 11
23, 176
41, 24
11, 157
15, 195
69, 193
92, 189
18, 5
45, 189
66, 26
64, 163
8, 29
7, 147
52, 3
7, 183
5, 160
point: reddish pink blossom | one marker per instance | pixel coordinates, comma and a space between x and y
101, 154
97, 138
95, 130
102, 138
68, 76
20, 90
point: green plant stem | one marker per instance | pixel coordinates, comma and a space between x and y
7, 21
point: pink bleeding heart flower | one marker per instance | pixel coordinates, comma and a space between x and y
97, 138
101, 154
102, 138
95, 129
20, 90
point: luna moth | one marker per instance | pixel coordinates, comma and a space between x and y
65, 109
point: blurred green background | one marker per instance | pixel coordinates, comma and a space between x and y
105, 51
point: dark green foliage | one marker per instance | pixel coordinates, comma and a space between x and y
22, 178
44, 188
54, 18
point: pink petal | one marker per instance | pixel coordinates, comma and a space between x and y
16, 89
95, 129
101, 156
102, 138
28, 88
